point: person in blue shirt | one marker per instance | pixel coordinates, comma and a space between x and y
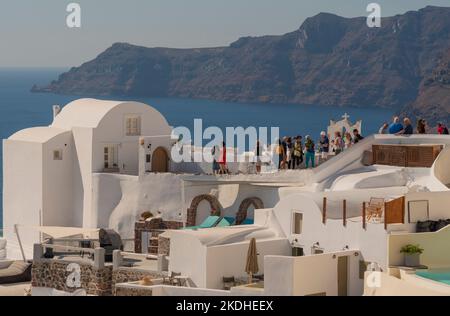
396, 127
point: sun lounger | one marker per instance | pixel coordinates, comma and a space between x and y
248, 221
210, 222
230, 220
16, 272
223, 223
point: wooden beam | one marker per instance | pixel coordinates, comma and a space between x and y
344, 211
385, 216
364, 218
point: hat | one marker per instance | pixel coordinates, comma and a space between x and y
323, 133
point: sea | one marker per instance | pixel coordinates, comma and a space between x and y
19, 109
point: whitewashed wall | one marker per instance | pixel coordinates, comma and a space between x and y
300, 276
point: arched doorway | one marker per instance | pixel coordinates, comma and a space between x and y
247, 207
215, 208
160, 160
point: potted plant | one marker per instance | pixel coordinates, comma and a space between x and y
412, 255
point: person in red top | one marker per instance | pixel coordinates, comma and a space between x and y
442, 129
223, 159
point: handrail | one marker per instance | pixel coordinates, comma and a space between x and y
68, 248
98, 260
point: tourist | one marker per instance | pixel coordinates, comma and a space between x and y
338, 143
215, 152
289, 152
396, 126
357, 136
280, 153
310, 152
442, 129
297, 156
384, 129
324, 144
421, 126
223, 160
258, 154
333, 146
348, 141
408, 128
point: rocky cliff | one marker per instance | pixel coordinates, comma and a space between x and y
329, 60
433, 101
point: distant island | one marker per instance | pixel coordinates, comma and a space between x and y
329, 60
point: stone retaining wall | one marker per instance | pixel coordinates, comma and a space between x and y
53, 274
153, 224
163, 246
125, 291
123, 275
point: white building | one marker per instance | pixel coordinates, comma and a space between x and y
327, 223
102, 163
49, 172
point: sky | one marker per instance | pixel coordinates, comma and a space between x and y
34, 33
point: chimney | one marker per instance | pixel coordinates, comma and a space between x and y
56, 110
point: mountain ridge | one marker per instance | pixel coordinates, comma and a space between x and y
329, 60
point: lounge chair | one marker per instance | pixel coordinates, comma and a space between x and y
375, 209
223, 223
210, 222
16, 272
248, 221
230, 220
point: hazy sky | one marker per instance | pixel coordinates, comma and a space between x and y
34, 32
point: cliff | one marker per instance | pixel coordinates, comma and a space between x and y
329, 60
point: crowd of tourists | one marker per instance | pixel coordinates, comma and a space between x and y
396, 127
291, 153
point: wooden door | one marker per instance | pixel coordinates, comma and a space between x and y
160, 160
342, 276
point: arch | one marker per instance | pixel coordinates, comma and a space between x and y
216, 208
241, 215
160, 160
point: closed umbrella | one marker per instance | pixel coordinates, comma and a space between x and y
252, 260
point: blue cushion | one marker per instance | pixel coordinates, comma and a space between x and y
230, 220
223, 223
211, 221
248, 221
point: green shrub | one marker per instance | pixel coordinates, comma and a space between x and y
411, 250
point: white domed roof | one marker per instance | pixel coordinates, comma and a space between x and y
90, 112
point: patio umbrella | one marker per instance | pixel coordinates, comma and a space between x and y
252, 260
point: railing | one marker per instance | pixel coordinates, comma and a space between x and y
98, 254
392, 212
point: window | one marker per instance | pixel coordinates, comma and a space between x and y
133, 126
297, 252
297, 223
57, 154
110, 157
